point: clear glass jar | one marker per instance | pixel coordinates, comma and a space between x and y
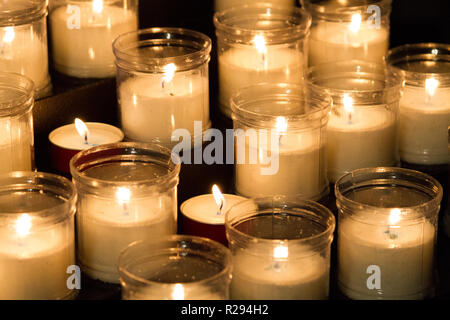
280, 141
16, 123
37, 236
387, 229
362, 129
23, 41
82, 32
126, 192
259, 43
281, 249
221, 5
424, 108
175, 268
348, 30
163, 83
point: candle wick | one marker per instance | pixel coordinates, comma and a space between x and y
349, 118
219, 213
86, 138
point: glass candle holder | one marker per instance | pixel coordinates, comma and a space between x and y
424, 108
82, 32
387, 228
348, 30
221, 5
281, 249
163, 83
175, 268
23, 41
16, 123
280, 141
259, 43
37, 236
362, 128
126, 192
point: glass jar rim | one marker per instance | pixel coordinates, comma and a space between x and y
429, 54
434, 187
89, 158
28, 180
307, 205
278, 92
22, 13
180, 37
19, 84
224, 251
392, 79
340, 12
299, 28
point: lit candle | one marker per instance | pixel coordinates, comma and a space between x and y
68, 140
204, 215
82, 35
424, 121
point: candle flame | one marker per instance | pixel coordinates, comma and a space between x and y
280, 252
260, 43
23, 225
9, 35
82, 129
348, 104
123, 195
281, 124
395, 216
431, 84
218, 197
355, 25
169, 72
178, 292
97, 6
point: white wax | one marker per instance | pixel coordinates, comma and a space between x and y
191, 292
221, 5
368, 140
304, 276
335, 41
424, 122
150, 112
23, 51
86, 52
16, 145
244, 66
301, 169
67, 136
405, 261
34, 266
204, 208
106, 227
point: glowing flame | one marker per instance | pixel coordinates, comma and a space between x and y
9, 35
123, 195
348, 104
82, 129
355, 25
218, 197
97, 6
395, 216
169, 72
281, 124
280, 252
178, 292
260, 43
431, 84
23, 225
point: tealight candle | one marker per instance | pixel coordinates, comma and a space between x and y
280, 147
175, 268
82, 34
23, 41
424, 108
162, 82
341, 31
387, 230
16, 123
259, 43
220, 5
204, 215
362, 129
126, 192
281, 250
70, 139
37, 236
